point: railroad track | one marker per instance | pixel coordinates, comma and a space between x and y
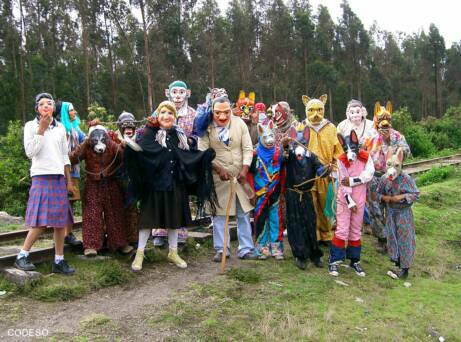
420, 166
43, 254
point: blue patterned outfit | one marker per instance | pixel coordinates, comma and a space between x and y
400, 225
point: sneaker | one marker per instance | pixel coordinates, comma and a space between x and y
333, 270
138, 259
249, 256
279, 257
318, 263
174, 257
90, 252
300, 263
218, 257
62, 267
358, 269
72, 240
24, 264
159, 242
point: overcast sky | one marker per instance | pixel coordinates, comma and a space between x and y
400, 15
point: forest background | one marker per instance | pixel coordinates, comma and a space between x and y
106, 56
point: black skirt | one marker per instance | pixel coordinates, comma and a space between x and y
165, 209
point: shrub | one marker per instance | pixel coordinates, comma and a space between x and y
418, 137
435, 175
14, 171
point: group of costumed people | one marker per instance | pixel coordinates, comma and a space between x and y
309, 179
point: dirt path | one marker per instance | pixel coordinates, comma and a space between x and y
127, 307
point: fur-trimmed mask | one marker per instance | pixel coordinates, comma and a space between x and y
244, 106
350, 145
315, 109
266, 134
394, 162
98, 138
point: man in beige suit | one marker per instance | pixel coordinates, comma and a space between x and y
228, 135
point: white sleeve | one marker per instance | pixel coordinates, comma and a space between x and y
65, 148
33, 142
366, 175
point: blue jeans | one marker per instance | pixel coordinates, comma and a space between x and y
243, 232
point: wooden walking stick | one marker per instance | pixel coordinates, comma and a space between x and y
226, 223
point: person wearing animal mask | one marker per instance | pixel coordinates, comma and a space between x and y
164, 173
45, 143
266, 171
103, 212
355, 170
179, 93
125, 134
398, 191
377, 146
356, 120
324, 144
228, 135
302, 168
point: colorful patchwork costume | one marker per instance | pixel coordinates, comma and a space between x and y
266, 167
378, 147
400, 225
355, 168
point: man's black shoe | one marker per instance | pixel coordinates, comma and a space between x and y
24, 264
301, 264
318, 263
249, 256
71, 240
63, 268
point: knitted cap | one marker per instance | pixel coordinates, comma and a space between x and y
178, 84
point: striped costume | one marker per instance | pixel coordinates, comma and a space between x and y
268, 210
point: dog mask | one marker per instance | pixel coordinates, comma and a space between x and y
394, 161
98, 138
266, 134
350, 145
302, 135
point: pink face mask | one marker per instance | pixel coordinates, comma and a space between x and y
355, 115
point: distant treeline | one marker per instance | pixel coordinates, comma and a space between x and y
123, 54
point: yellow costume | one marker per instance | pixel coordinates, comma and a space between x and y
324, 143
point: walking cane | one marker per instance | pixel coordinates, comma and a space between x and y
226, 223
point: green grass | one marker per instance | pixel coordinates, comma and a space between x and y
270, 300
4, 228
435, 175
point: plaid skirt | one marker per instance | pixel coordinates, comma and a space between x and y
48, 204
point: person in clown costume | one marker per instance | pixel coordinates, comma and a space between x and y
325, 145
356, 119
179, 93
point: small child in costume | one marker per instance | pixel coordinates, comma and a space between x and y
266, 170
355, 170
398, 190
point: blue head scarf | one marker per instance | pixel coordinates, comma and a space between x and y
65, 120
